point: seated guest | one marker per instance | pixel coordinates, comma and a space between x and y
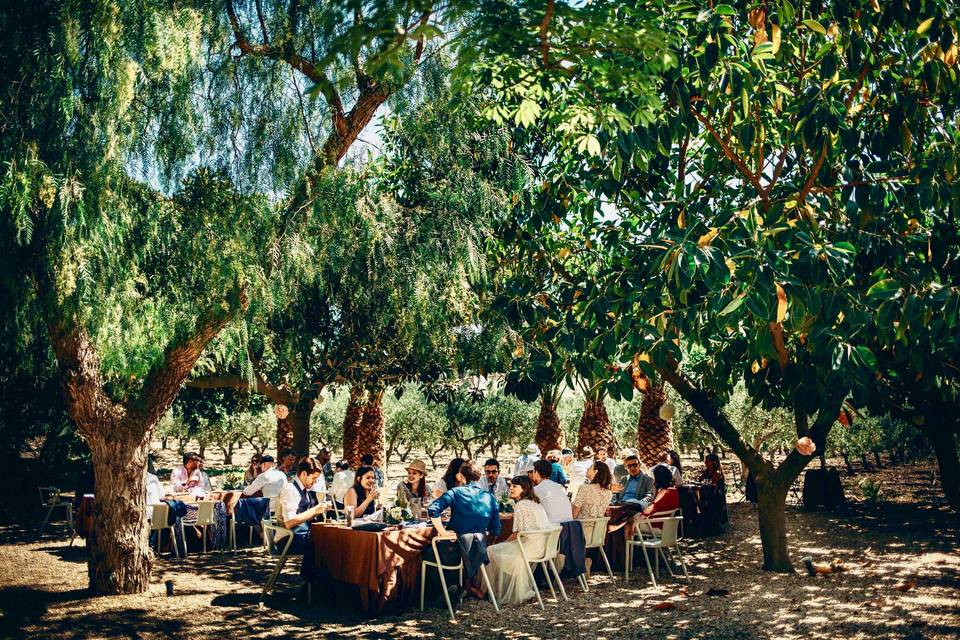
667, 498
187, 478
449, 479
269, 483
671, 460
492, 480
525, 462
508, 574
415, 486
712, 472
362, 496
368, 461
288, 463
323, 457
557, 474
298, 507
552, 495
253, 470
637, 492
154, 492
566, 460
593, 498
620, 471
342, 481
205, 483
610, 462
473, 514
578, 468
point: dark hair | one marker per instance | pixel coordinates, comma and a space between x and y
309, 466
662, 478
526, 488
362, 470
712, 457
286, 452
343, 465
450, 475
492, 462
543, 467
603, 478
566, 452
191, 455
366, 459
421, 491
674, 459
471, 471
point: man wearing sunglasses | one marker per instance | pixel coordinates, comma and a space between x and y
492, 480
638, 486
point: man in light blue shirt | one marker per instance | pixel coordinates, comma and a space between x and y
638, 486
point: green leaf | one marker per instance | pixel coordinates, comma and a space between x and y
786, 12
527, 113
763, 51
732, 306
866, 357
589, 144
724, 10
924, 26
813, 25
886, 289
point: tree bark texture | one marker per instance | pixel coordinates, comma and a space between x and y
351, 425
772, 520
654, 434
370, 435
595, 430
284, 434
549, 432
945, 447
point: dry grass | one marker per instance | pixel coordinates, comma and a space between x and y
909, 543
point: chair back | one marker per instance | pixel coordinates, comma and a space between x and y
272, 532
644, 525
549, 537
436, 555
205, 513
594, 531
669, 527
49, 496
158, 516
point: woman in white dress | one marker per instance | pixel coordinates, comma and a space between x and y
507, 570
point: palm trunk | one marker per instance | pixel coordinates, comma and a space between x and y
654, 434
595, 430
370, 435
351, 425
549, 432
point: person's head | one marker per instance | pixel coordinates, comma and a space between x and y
343, 465
712, 462
491, 470
150, 464
673, 458
366, 459
266, 462
599, 474
542, 470
288, 459
450, 475
662, 477
553, 455
586, 452
323, 455
308, 470
521, 488
601, 453
632, 463
532, 449
365, 480
255, 460
191, 461
566, 456
416, 472
470, 471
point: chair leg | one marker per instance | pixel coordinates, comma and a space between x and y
628, 562
267, 588
556, 574
582, 579
603, 554
649, 568
183, 536
682, 563
656, 562
546, 573
46, 519
446, 595
423, 582
486, 582
536, 589
173, 541
667, 561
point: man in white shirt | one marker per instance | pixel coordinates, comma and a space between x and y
298, 507
269, 483
492, 481
154, 492
187, 478
525, 462
553, 496
342, 481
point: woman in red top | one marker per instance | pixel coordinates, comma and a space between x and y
666, 499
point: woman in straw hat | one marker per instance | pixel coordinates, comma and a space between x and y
415, 486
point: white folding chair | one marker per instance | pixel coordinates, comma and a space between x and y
551, 547
443, 580
595, 534
660, 541
205, 518
50, 500
158, 523
270, 533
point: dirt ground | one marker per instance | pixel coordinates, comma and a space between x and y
902, 581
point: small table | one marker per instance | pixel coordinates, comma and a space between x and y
381, 568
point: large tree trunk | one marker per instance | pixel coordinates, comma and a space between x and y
772, 519
945, 447
549, 432
654, 435
120, 558
370, 435
299, 419
595, 430
284, 434
351, 425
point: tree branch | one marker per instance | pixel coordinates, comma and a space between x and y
802, 197
544, 27
732, 156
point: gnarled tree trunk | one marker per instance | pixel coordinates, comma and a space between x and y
351, 425
370, 435
595, 430
654, 434
284, 434
549, 432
